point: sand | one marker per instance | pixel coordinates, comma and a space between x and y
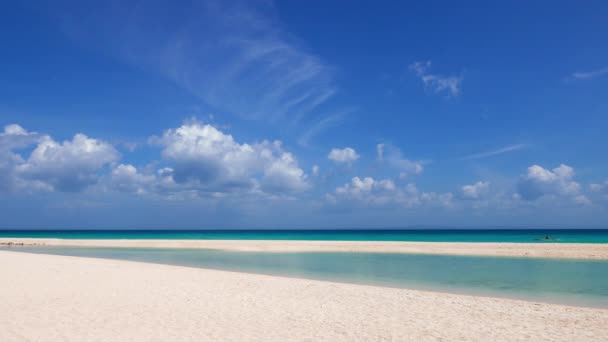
51, 298
544, 250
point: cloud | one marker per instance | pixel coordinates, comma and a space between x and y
437, 83
346, 155
599, 187
539, 182
392, 156
475, 191
587, 75
69, 166
13, 137
321, 125
159, 183
234, 55
499, 151
202, 162
369, 192
205, 158
126, 178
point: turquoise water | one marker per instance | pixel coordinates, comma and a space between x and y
444, 235
577, 282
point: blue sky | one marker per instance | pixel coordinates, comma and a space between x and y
261, 114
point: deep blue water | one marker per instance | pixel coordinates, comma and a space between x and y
578, 282
443, 235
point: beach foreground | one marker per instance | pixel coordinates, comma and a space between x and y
541, 250
47, 297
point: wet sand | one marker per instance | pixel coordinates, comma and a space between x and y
541, 250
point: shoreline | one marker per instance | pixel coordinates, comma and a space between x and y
50, 297
496, 249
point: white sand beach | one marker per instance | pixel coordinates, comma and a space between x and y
544, 250
52, 298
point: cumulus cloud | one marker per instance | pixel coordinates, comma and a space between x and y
209, 160
201, 161
539, 182
392, 156
315, 170
69, 166
126, 178
13, 136
374, 193
346, 155
475, 191
159, 183
437, 83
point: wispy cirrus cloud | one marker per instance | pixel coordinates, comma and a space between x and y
502, 150
234, 55
587, 75
437, 83
324, 123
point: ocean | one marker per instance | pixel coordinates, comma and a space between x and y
437, 235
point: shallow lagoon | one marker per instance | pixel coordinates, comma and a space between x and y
576, 282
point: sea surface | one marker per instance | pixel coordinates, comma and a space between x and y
438, 235
573, 282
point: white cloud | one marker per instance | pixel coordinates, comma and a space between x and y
69, 166
282, 174
126, 178
438, 83
203, 160
539, 182
375, 193
209, 160
393, 157
599, 187
15, 136
366, 191
475, 191
345, 155
366, 185
587, 75
147, 182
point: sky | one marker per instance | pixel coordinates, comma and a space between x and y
290, 115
